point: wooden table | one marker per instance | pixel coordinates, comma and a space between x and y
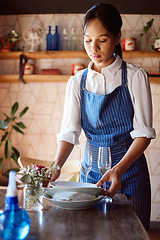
109, 221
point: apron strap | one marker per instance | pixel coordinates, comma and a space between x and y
83, 79
124, 73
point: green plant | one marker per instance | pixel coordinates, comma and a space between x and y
13, 36
11, 123
36, 174
7, 43
10, 39
149, 26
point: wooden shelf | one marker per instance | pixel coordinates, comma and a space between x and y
155, 80
141, 54
74, 54
14, 78
64, 54
44, 54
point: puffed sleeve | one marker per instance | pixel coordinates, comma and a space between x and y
71, 121
142, 102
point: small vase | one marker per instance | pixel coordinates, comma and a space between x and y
33, 197
6, 44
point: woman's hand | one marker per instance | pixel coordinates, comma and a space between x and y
114, 177
63, 151
55, 175
114, 174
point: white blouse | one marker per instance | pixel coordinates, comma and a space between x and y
104, 83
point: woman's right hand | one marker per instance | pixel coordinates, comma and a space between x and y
55, 175
63, 151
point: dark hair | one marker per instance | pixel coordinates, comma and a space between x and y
109, 17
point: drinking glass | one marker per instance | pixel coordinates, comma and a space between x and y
104, 162
86, 159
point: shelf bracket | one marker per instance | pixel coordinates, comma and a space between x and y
23, 60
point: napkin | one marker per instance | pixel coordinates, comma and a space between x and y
73, 196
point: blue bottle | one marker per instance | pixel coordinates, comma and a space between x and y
49, 40
14, 221
56, 39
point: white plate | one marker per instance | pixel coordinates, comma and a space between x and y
66, 186
74, 205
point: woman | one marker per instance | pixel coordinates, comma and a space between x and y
111, 102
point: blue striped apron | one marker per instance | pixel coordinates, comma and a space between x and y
107, 120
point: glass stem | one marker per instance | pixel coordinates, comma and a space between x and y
86, 177
104, 185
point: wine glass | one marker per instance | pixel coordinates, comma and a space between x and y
86, 159
104, 162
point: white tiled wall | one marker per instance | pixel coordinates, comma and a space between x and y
45, 100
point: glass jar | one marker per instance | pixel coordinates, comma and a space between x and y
33, 197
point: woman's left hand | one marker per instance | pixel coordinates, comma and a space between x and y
115, 178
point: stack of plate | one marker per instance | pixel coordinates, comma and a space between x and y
73, 195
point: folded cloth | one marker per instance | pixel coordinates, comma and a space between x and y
52, 71
73, 196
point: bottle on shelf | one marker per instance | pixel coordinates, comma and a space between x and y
14, 221
73, 40
65, 40
29, 67
56, 39
49, 40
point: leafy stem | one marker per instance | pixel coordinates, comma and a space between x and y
7, 126
150, 26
